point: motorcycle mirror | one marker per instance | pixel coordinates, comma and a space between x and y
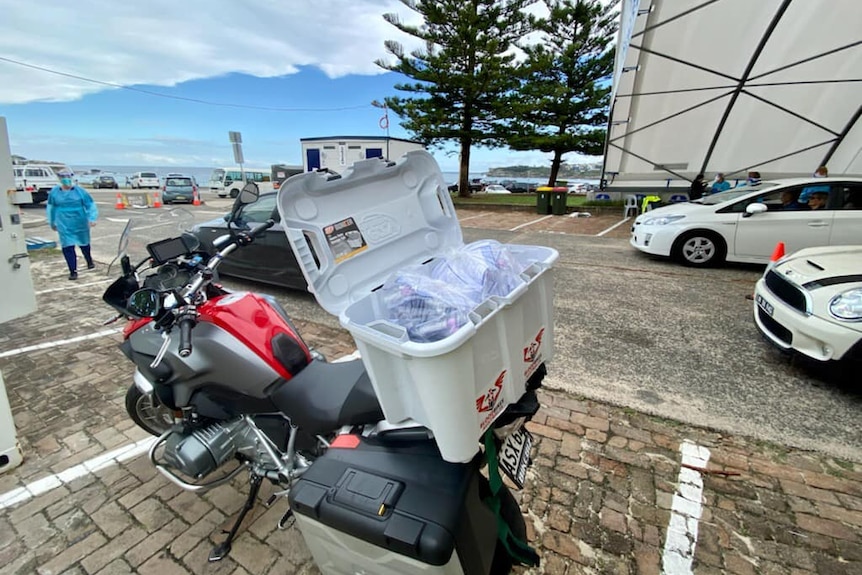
248, 195
145, 302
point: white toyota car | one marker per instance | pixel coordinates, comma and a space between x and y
810, 302
745, 224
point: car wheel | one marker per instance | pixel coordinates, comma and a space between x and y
699, 248
234, 193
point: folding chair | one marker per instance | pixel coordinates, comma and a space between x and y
631, 203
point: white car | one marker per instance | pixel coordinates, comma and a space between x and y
141, 180
745, 224
496, 189
810, 302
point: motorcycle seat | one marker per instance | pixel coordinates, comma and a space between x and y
325, 396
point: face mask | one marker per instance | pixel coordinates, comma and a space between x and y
66, 181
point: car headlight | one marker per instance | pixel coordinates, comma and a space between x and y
662, 220
847, 305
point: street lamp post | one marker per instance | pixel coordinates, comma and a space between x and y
384, 122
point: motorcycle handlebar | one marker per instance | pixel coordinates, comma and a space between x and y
186, 325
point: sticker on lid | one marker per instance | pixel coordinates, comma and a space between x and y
344, 239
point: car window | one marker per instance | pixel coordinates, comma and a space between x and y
772, 199
178, 182
848, 196
148, 175
260, 211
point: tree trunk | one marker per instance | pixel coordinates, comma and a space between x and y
464, 169
555, 167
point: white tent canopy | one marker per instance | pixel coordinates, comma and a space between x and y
706, 86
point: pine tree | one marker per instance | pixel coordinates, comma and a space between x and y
562, 104
461, 76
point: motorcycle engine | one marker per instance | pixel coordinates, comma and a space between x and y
200, 452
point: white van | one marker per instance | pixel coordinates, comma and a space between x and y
38, 176
228, 181
140, 180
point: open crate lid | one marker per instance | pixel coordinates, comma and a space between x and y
374, 219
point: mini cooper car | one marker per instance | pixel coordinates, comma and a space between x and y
810, 302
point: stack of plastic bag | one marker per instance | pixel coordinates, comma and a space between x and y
433, 301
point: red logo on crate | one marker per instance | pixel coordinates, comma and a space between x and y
531, 352
486, 401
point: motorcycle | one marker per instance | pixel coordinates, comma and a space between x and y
225, 381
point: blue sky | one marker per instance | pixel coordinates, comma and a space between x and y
312, 59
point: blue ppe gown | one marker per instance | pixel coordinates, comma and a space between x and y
71, 212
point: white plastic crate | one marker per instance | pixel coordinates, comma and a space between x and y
380, 218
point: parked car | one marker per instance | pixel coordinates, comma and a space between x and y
178, 189
105, 182
269, 259
39, 177
140, 180
810, 302
744, 224
496, 189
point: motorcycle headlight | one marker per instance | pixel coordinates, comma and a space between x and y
662, 220
847, 305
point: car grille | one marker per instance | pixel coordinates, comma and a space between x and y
787, 292
775, 328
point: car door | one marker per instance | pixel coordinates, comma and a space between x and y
847, 216
269, 258
758, 234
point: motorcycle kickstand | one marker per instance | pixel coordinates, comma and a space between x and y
221, 550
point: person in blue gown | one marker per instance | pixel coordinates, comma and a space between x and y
71, 212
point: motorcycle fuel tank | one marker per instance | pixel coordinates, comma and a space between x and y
241, 347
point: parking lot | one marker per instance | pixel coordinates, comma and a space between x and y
649, 356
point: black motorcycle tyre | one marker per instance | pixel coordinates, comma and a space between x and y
147, 412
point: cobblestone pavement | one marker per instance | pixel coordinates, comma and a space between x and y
604, 488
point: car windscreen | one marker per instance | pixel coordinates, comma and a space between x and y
148, 175
179, 182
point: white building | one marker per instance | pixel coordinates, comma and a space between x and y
337, 153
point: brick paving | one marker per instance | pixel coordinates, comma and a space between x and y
598, 498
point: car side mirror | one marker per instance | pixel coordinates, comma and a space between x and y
754, 208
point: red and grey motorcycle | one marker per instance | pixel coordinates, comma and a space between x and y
226, 382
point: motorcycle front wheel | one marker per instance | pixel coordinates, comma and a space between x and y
147, 412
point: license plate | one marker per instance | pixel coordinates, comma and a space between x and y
181, 197
514, 456
765, 305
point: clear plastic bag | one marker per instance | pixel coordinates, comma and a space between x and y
429, 309
481, 269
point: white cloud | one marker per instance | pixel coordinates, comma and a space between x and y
165, 42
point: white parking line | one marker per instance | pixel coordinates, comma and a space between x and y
479, 215
685, 511
616, 225
531, 222
58, 343
50, 482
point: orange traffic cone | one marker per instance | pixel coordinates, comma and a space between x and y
777, 253
196, 201
120, 205
157, 203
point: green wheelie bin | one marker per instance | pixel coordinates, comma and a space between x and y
543, 200
558, 201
